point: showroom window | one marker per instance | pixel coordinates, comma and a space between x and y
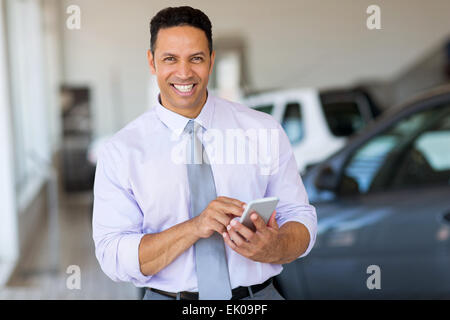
9, 245
292, 122
29, 111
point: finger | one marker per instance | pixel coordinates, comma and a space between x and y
216, 226
222, 218
232, 200
243, 230
258, 222
232, 245
236, 237
273, 221
229, 208
227, 240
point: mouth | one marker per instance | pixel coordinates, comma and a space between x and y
184, 89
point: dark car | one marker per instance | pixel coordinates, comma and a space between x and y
383, 207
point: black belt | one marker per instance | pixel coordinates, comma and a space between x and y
237, 293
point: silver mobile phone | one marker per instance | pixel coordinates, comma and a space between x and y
264, 207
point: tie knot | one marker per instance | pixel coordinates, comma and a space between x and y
191, 126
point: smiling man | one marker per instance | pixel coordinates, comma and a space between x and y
169, 226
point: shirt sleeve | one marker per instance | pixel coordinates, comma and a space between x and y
117, 220
286, 184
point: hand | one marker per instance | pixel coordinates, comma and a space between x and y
261, 245
217, 216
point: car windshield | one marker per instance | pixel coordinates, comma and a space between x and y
266, 108
344, 118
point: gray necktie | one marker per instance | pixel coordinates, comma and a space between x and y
211, 263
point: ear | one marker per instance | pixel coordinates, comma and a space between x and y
213, 57
151, 61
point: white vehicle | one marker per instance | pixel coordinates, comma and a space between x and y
317, 123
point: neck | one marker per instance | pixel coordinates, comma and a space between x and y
190, 113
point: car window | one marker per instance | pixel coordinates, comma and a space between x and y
265, 108
427, 160
409, 153
343, 118
292, 122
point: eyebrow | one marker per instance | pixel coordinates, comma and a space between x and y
168, 54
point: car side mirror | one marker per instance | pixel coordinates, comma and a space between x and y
326, 179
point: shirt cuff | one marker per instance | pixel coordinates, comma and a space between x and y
128, 256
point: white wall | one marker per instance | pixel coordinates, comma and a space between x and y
290, 43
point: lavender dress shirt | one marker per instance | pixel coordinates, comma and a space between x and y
141, 187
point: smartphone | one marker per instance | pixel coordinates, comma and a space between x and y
264, 207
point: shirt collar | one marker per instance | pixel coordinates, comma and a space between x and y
176, 122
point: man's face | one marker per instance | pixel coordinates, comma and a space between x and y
182, 65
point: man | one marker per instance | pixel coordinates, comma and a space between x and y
168, 225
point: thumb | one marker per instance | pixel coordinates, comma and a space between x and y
272, 221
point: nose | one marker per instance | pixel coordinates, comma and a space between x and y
184, 70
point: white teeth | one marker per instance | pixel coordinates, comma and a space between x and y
184, 88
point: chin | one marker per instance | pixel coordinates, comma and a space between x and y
188, 101
184, 103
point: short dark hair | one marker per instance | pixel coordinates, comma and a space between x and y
180, 16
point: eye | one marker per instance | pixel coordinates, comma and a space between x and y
197, 59
169, 59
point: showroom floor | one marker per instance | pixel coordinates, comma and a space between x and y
36, 278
